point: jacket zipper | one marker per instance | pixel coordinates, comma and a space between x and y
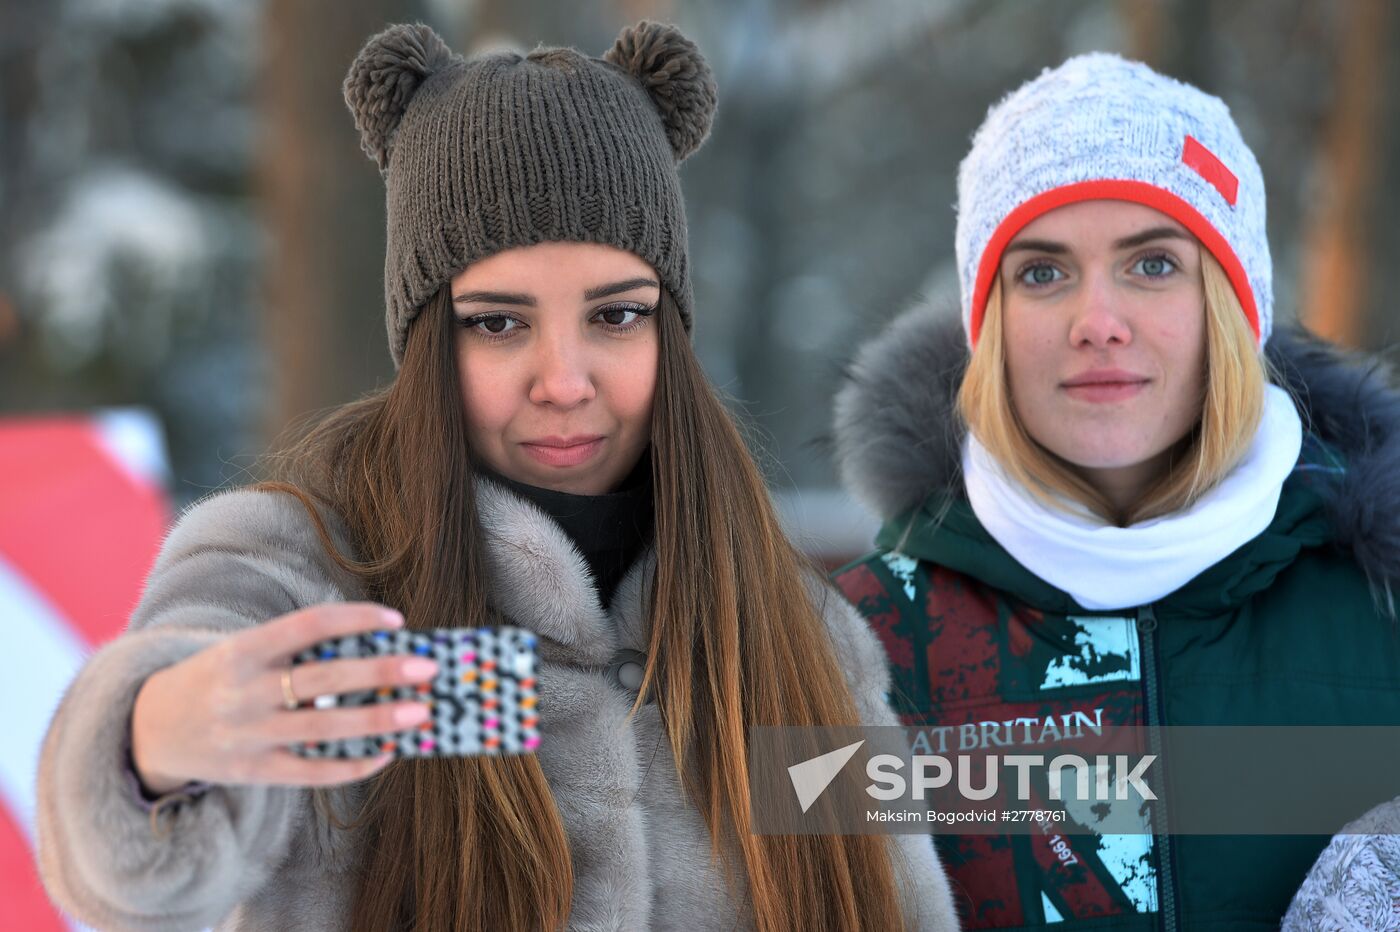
1147, 631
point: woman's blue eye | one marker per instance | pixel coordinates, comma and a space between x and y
1154, 266
1040, 274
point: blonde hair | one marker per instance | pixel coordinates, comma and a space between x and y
1231, 408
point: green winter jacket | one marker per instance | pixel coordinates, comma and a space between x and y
1292, 628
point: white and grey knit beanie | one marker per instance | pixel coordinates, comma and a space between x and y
1101, 127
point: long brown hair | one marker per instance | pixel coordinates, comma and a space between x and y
735, 642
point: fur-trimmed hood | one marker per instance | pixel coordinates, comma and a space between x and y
898, 440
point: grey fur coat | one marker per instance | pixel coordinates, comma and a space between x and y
258, 857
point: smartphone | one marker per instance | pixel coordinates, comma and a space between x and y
483, 697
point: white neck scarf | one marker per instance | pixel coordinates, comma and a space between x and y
1104, 567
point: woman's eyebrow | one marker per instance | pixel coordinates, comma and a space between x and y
494, 297
602, 291
1127, 242
1147, 236
1037, 245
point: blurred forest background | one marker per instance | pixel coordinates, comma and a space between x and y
187, 222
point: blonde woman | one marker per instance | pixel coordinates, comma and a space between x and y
1109, 493
549, 455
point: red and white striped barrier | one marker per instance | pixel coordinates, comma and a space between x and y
82, 515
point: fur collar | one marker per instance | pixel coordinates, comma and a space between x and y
540, 579
897, 441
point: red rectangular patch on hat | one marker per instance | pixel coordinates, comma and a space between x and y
1211, 169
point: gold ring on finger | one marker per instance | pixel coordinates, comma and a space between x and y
290, 702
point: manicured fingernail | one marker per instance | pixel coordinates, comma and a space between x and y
411, 714
419, 669
392, 618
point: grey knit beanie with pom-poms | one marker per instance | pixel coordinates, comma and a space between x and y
502, 150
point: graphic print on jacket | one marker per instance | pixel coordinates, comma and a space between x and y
1288, 629
975, 673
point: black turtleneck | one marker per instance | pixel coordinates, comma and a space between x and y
610, 530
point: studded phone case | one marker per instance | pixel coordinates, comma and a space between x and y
483, 697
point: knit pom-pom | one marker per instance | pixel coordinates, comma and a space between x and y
383, 79
676, 76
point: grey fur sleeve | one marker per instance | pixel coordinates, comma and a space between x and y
928, 901
232, 561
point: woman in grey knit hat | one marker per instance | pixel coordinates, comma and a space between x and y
549, 455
